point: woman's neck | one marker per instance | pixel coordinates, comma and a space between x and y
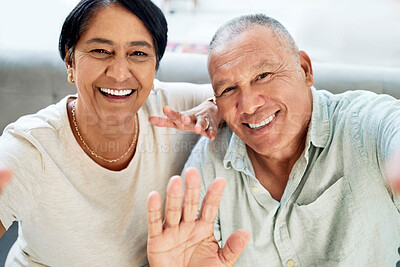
110, 145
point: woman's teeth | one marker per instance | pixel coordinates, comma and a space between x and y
116, 92
263, 123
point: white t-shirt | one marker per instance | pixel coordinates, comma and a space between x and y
73, 212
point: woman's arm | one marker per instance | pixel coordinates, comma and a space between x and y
203, 119
5, 177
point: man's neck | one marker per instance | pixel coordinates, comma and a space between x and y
273, 171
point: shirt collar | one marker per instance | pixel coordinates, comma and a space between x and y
319, 128
318, 134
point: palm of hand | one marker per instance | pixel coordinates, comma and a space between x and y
183, 240
190, 244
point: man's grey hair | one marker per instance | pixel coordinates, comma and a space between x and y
240, 24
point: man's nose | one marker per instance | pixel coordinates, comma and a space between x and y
249, 102
119, 69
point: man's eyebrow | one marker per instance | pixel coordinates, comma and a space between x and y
220, 84
108, 42
261, 65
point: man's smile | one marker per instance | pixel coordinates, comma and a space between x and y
261, 124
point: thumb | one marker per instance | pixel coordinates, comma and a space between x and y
234, 246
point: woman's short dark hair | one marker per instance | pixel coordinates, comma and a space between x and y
78, 22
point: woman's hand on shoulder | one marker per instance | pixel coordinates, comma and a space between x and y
5, 177
203, 119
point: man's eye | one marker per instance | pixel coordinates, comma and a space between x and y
227, 90
263, 75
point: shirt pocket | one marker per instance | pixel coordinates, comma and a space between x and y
331, 222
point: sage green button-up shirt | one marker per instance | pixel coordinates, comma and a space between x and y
336, 209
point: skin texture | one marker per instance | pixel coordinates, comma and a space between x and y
183, 239
116, 52
253, 79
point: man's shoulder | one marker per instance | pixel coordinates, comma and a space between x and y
213, 150
351, 98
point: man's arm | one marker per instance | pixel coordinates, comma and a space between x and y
182, 239
5, 177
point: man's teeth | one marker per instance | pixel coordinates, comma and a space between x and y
263, 123
116, 92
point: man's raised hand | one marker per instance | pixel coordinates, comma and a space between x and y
182, 239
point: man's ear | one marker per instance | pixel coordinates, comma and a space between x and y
306, 68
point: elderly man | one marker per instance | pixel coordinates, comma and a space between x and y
305, 169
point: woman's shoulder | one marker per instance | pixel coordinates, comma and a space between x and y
41, 126
50, 117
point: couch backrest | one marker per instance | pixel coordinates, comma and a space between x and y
30, 81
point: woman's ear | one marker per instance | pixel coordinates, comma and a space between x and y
306, 67
66, 60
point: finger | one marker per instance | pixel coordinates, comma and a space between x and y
212, 133
177, 117
209, 207
192, 195
173, 204
201, 125
154, 219
234, 246
171, 114
5, 177
162, 122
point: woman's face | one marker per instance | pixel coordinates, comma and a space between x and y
114, 66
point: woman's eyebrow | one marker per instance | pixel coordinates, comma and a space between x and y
99, 40
140, 43
108, 42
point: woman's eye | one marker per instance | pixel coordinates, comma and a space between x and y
100, 51
138, 53
263, 75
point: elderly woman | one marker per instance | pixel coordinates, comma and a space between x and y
82, 168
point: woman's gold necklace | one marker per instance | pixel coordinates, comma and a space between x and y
92, 151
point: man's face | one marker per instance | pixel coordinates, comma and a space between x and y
262, 90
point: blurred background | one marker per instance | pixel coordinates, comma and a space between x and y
354, 32
337, 31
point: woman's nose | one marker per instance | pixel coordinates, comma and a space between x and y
119, 69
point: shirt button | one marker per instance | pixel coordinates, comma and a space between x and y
278, 221
291, 263
255, 189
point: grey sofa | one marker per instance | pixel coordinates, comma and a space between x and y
30, 81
